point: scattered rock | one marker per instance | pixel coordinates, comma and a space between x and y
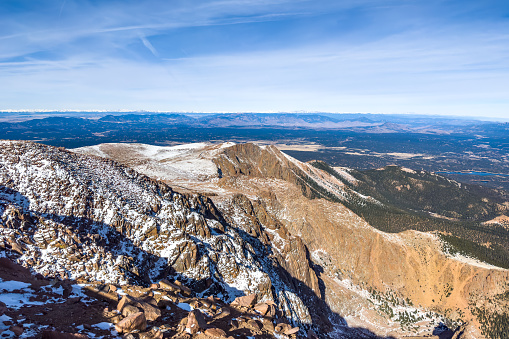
166, 285
17, 330
215, 332
223, 312
123, 302
136, 321
184, 289
286, 329
246, 301
154, 333
17, 248
181, 327
292, 330
254, 325
129, 309
195, 322
266, 309
95, 292
152, 312
267, 325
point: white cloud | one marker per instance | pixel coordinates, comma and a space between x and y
89, 60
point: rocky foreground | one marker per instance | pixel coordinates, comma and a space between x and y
50, 308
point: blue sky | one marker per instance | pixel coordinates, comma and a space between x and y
400, 56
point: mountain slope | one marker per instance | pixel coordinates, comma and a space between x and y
88, 218
369, 278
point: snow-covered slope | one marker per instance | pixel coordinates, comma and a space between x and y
84, 217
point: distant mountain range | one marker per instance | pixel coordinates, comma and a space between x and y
386, 122
92, 129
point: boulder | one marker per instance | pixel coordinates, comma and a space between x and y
267, 325
292, 330
166, 285
17, 248
286, 329
195, 322
123, 302
154, 333
223, 312
246, 301
215, 332
152, 312
266, 309
129, 309
97, 293
136, 321
183, 288
254, 325
17, 330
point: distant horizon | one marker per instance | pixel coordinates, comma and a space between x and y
126, 111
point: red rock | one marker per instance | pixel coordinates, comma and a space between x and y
291, 331
17, 330
254, 325
183, 288
136, 321
262, 308
129, 309
195, 322
61, 335
123, 302
152, 312
166, 285
247, 300
215, 332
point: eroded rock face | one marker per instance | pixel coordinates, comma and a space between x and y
91, 219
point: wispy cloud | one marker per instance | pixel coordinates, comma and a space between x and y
256, 55
149, 46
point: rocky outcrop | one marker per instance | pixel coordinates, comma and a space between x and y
268, 162
79, 316
90, 219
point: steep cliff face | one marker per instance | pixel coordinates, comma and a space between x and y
268, 162
391, 284
92, 219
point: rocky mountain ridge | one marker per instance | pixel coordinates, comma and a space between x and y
89, 218
344, 248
